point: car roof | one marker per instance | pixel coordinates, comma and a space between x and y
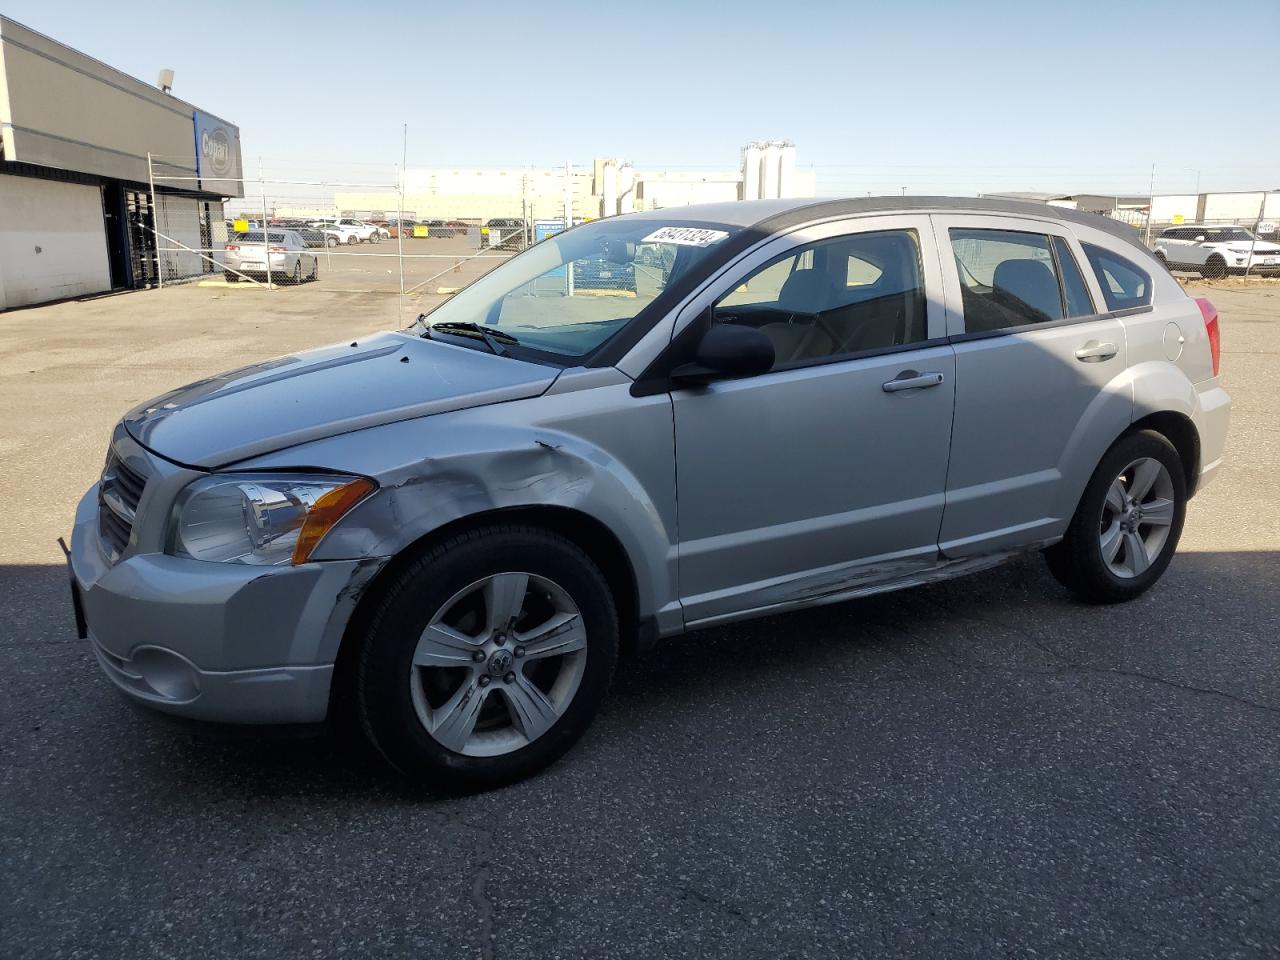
773, 215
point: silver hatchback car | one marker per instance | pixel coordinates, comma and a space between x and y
636, 428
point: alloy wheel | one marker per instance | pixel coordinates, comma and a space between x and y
1137, 514
498, 664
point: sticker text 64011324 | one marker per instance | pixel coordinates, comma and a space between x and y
686, 236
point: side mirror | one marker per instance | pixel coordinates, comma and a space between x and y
619, 251
727, 351
1200, 239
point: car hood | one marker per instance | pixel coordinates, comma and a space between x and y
325, 392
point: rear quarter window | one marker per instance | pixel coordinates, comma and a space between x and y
1124, 284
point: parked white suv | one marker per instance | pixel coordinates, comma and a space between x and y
1215, 252
350, 230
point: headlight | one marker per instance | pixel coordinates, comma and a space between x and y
260, 518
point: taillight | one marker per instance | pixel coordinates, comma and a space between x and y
233, 246
1210, 314
279, 249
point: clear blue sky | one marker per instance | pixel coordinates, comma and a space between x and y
934, 97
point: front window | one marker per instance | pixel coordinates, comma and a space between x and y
834, 298
567, 295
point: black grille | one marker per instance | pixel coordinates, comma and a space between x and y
119, 493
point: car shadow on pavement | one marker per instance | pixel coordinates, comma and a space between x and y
1207, 630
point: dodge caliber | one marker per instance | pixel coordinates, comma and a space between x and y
454, 530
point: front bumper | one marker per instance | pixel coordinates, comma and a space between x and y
215, 641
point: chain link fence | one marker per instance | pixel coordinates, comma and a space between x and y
376, 229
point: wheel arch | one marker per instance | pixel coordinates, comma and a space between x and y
1181, 432
588, 533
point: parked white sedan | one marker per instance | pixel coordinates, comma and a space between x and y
291, 261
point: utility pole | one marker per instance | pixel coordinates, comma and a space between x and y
568, 194
155, 232
404, 159
568, 220
266, 237
1151, 200
1262, 212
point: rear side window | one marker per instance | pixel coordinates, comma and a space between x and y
1124, 284
1074, 289
1007, 279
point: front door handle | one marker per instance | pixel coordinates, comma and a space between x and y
1095, 351
910, 380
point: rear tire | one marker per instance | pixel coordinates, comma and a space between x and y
315, 270
296, 277
1111, 502
1214, 269
402, 688
231, 277
352, 240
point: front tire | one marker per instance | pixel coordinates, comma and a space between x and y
1127, 525
487, 658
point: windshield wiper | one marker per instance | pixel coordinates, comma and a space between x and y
493, 339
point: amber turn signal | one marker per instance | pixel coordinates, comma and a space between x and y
327, 511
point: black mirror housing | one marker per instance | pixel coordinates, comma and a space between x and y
727, 351
619, 251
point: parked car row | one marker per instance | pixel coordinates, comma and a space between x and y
511, 233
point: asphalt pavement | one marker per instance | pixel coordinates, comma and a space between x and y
977, 768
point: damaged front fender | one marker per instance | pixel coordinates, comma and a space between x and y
598, 451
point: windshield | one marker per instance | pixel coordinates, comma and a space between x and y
573, 291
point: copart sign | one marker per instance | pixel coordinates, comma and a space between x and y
218, 155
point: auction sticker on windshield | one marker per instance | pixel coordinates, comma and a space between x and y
686, 236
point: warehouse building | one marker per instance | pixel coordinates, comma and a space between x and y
1239, 207
607, 187
76, 212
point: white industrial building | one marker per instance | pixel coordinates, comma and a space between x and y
607, 187
76, 212
1241, 207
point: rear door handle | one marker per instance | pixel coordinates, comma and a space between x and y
1094, 351
910, 380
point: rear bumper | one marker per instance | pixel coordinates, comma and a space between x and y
1212, 416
